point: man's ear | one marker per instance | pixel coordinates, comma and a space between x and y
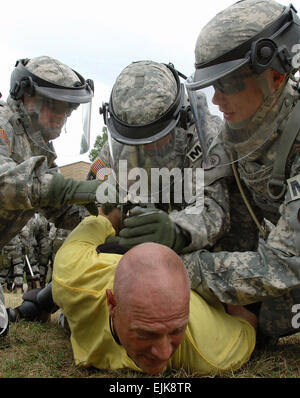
111, 302
278, 79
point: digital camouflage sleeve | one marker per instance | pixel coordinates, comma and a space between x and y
250, 276
210, 223
25, 177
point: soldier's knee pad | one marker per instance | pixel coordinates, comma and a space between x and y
37, 304
28, 311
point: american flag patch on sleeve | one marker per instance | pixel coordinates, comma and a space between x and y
3, 136
99, 169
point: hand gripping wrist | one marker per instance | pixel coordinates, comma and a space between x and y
151, 225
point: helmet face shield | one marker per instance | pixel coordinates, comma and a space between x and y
58, 100
145, 164
146, 110
234, 82
75, 137
237, 71
59, 107
59, 121
248, 115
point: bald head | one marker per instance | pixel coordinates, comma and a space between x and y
150, 304
150, 268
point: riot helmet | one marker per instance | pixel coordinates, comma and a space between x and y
241, 47
50, 91
147, 106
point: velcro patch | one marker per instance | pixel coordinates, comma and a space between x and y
294, 187
139, 80
195, 153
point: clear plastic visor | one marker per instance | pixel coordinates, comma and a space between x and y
145, 170
66, 124
238, 99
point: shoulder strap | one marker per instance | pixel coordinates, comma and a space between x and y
276, 184
16, 124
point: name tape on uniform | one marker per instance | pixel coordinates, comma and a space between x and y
195, 153
294, 187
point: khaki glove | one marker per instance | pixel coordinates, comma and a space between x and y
151, 225
69, 191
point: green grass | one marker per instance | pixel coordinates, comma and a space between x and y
43, 350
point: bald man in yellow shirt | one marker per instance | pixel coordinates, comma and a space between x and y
137, 311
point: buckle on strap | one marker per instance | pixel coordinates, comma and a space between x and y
276, 188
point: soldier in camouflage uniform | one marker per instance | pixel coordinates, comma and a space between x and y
12, 266
149, 103
150, 126
37, 247
43, 94
44, 246
5, 268
57, 237
247, 53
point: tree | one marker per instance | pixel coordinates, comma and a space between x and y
100, 141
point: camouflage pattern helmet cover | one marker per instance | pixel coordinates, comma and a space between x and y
143, 92
145, 102
227, 42
50, 78
54, 71
233, 26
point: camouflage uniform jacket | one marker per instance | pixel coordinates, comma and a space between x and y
11, 260
207, 226
35, 236
58, 236
243, 277
25, 172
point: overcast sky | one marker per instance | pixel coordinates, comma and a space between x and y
100, 38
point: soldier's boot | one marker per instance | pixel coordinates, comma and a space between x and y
277, 317
38, 305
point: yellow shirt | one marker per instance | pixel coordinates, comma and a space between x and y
214, 340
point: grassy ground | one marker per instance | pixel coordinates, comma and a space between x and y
43, 350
